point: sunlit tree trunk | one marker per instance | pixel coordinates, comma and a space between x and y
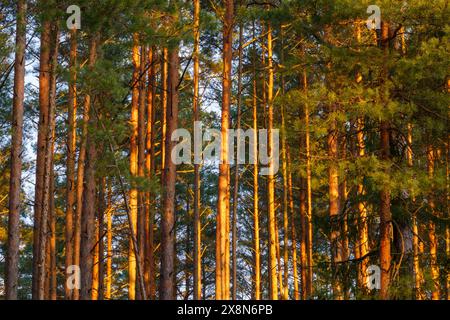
433, 242
418, 276
134, 166
362, 242
102, 207
141, 219
284, 170
223, 201
309, 225
236, 168
109, 250
71, 155
273, 294
256, 237
149, 264
293, 228
52, 232
12, 247
164, 93
385, 196
197, 205
334, 205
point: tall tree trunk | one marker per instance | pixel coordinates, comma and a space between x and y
71, 155
149, 265
362, 220
293, 229
362, 242
167, 281
418, 276
285, 293
273, 295
12, 247
236, 168
81, 167
87, 223
51, 234
222, 226
333, 185
385, 197
102, 207
141, 221
48, 164
257, 254
433, 245
44, 92
344, 241
309, 225
109, 251
165, 93
134, 167
197, 204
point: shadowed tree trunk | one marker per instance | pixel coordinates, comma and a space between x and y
12, 247
167, 281
87, 229
44, 92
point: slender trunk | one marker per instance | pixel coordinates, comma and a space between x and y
109, 251
293, 229
101, 232
197, 204
81, 168
141, 221
285, 292
71, 155
222, 226
236, 168
134, 167
334, 203
44, 92
87, 214
164, 78
418, 277
362, 220
52, 232
279, 266
96, 263
344, 242
362, 242
385, 197
167, 281
149, 264
309, 225
12, 247
48, 165
257, 265
435, 294
273, 295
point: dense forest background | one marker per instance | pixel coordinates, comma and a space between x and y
87, 186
